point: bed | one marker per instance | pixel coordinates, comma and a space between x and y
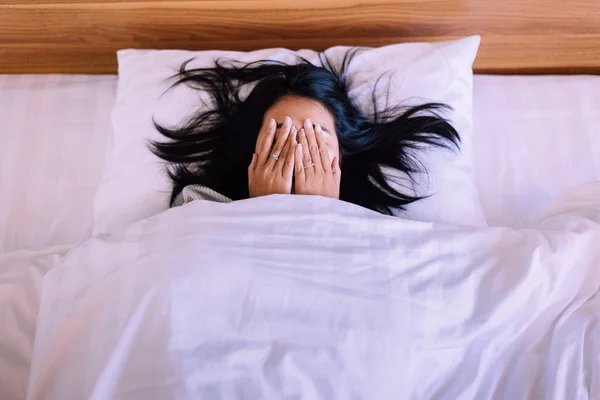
535, 138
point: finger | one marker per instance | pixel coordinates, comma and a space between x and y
251, 168
335, 168
286, 150
288, 170
324, 153
306, 159
299, 174
285, 129
265, 142
280, 141
313, 146
270, 129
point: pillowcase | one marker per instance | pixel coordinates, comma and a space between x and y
135, 186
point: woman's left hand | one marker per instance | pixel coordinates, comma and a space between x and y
314, 172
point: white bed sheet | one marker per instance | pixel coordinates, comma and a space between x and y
53, 135
535, 137
21, 275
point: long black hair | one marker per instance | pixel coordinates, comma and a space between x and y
214, 146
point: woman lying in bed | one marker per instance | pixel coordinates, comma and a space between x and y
297, 132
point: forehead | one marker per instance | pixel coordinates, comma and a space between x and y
300, 109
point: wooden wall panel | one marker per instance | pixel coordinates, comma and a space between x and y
82, 36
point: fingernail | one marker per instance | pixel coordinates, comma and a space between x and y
272, 123
318, 128
308, 123
299, 146
294, 130
302, 133
287, 120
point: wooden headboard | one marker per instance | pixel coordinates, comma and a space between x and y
82, 36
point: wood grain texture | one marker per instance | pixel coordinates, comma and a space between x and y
82, 36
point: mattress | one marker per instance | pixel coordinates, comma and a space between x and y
534, 137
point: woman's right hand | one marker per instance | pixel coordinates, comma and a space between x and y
267, 175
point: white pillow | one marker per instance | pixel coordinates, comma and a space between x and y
135, 186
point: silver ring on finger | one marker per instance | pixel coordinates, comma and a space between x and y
274, 157
312, 164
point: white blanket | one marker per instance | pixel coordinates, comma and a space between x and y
303, 297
